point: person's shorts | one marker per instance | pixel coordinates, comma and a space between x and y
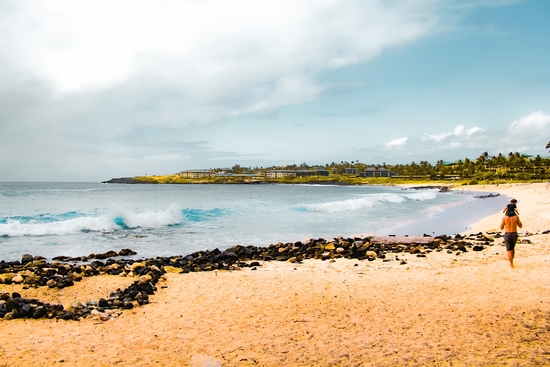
510, 239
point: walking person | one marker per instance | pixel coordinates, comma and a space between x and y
510, 223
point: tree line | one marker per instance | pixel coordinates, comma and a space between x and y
484, 168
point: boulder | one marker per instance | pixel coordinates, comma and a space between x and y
17, 279
7, 277
172, 269
136, 266
330, 247
32, 279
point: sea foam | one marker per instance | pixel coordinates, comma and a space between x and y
368, 201
153, 219
13, 227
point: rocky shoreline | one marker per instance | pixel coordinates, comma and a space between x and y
35, 271
129, 181
132, 181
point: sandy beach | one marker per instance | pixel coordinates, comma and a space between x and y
441, 310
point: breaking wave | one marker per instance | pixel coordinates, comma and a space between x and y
74, 222
368, 201
36, 227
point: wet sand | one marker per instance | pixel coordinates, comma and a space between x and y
442, 310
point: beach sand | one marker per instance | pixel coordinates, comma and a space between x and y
442, 310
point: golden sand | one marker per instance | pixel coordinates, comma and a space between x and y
443, 310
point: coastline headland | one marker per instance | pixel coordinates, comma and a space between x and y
334, 180
346, 301
128, 181
219, 180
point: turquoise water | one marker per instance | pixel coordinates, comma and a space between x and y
76, 219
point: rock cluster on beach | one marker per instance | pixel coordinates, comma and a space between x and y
35, 271
368, 248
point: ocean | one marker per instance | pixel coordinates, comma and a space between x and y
77, 219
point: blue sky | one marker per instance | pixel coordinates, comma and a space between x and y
94, 90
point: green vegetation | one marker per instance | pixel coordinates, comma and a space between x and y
484, 170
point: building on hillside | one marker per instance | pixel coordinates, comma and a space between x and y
369, 172
384, 172
447, 163
224, 174
196, 173
376, 172
350, 171
280, 173
312, 172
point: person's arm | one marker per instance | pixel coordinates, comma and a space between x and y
520, 225
502, 224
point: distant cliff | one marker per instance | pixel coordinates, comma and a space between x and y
128, 180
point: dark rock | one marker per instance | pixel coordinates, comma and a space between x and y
11, 305
147, 287
126, 252
26, 310
128, 305
103, 302
26, 258
39, 312
462, 248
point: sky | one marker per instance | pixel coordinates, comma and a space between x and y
91, 90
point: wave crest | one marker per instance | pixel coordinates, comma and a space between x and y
14, 227
365, 202
151, 219
74, 222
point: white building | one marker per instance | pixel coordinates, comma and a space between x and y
279, 173
196, 173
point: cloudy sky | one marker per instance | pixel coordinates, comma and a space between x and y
91, 90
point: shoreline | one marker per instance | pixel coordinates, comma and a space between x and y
441, 310
80, 241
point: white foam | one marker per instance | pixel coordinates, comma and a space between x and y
154, 219
423, 195
33, 228
148, 219
369, 201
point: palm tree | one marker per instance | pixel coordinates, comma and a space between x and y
548, 145
481, 161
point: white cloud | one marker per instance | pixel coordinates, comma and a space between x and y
473, 130
396, 143
437, 137
214, 58
531, 123
80, 77
534, 130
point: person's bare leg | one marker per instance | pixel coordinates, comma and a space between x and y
511, 258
